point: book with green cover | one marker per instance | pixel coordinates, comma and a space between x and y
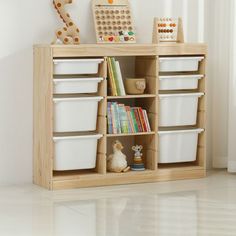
111, 78
114, 121
134, 121
131, 126
123, 119
117, 115
115, 74
109, 118
120, 80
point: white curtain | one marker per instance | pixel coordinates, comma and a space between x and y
221, 36
232, 92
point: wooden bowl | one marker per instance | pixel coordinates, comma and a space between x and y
135, 86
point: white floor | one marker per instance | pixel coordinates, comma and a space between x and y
193, 207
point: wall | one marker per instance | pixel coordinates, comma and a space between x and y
27, 22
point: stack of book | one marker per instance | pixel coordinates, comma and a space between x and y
124, 119
115, 80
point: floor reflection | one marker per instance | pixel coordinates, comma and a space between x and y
192, 207
161, 214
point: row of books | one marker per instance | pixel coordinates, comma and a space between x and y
125, 119
115, 80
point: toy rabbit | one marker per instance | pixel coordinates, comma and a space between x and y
117, 162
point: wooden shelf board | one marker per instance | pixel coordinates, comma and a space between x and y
130, 177
129, 173
178, 49
74, 174
179, 166
103, 50
132, 96
130, 134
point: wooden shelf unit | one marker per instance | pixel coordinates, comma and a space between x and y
146, 65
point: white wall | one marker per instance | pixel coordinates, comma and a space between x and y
27, 22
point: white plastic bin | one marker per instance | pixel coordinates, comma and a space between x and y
175, 64
178, 146
76, 66
75, 114
178, 109
76, 85
178, 82
75, 152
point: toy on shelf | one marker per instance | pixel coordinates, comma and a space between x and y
113, 21
135, 86
69, 34
168, 30
117, 162
138, 164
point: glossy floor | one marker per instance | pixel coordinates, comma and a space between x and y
191, 207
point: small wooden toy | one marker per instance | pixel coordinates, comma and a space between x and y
168, 30
113, 21
69, 34
138, 164
117, 162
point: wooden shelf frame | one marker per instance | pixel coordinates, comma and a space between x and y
146, 65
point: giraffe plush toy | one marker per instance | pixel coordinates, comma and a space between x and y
70, 33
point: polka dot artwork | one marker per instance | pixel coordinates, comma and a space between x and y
168, 29
113, 21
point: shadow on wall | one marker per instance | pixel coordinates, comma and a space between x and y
16, 117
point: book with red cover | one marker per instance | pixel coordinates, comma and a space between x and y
135, 109
132, 130
142, 119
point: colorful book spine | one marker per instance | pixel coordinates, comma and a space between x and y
117, 115
134, 121
143, 122
114, 122
147, 121
109, 118
131, 128
123, 119
126, 119
137, 119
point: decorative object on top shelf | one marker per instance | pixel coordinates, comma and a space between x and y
117, 162
168, 30
113, 21
69, 34
135, 86
138, 164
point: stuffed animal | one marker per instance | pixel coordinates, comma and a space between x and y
116, 162
138, 164
70, 33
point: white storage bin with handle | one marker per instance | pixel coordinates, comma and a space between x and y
76, 85
176, 64
178, 82
178, 145
73, 114
75, 152
76, 66
178, 109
